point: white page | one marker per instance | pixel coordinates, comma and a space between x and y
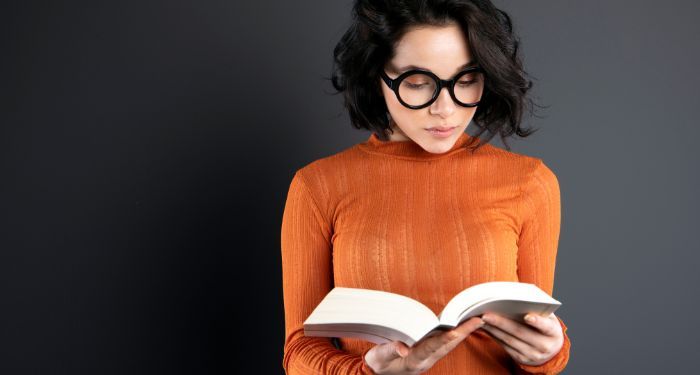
373, 308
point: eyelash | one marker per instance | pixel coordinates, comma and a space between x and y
463, 83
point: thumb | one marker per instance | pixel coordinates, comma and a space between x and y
401, 349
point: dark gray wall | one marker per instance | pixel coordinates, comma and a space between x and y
621, 134
146, 149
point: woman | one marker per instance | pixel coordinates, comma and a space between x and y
415, 210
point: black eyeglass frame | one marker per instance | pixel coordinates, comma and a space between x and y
394, 84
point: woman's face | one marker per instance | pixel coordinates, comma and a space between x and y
444, 51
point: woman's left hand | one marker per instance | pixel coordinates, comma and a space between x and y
531, 344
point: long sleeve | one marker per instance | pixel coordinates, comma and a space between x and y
392, 216
537, 248
307, 278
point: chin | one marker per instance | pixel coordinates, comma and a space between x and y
437, 148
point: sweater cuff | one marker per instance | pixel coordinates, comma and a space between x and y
555, 364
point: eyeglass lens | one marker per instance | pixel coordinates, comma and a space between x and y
419, 88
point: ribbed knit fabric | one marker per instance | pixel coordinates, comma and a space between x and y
391, 216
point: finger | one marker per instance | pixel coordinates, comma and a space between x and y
516, 355
510, 340
401, 349
548, 325
387, 352
439, 345
470, 325
532, 357
522, 331
456, 335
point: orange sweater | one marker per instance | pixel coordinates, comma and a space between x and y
392, 216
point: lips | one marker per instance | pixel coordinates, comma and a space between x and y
435, 132
442, 128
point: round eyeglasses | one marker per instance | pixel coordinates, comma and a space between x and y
418, 88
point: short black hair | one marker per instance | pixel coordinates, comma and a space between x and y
376, 27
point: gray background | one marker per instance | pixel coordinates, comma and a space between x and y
146, 150
620, 79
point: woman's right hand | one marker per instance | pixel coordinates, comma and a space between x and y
396, 358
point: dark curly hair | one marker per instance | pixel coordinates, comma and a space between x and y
377, 25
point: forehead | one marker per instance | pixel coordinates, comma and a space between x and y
440, 49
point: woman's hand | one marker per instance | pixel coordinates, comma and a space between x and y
397, 358
532, 344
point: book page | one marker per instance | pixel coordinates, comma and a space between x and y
513, 309
376, 316
488, 292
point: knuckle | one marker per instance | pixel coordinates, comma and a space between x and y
433, 346
495, 320
509, 340
539, 357
451, 336
548, 347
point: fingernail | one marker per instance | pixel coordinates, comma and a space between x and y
486, 318
530, 318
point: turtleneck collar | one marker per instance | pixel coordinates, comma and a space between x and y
409, 149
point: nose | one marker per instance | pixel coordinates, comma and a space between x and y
443, 106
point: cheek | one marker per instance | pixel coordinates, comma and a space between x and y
405, 117
390, 99
392, 104
469, 113
397, 110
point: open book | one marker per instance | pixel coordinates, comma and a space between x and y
382, 317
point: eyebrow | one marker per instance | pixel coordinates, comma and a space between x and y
410, 67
